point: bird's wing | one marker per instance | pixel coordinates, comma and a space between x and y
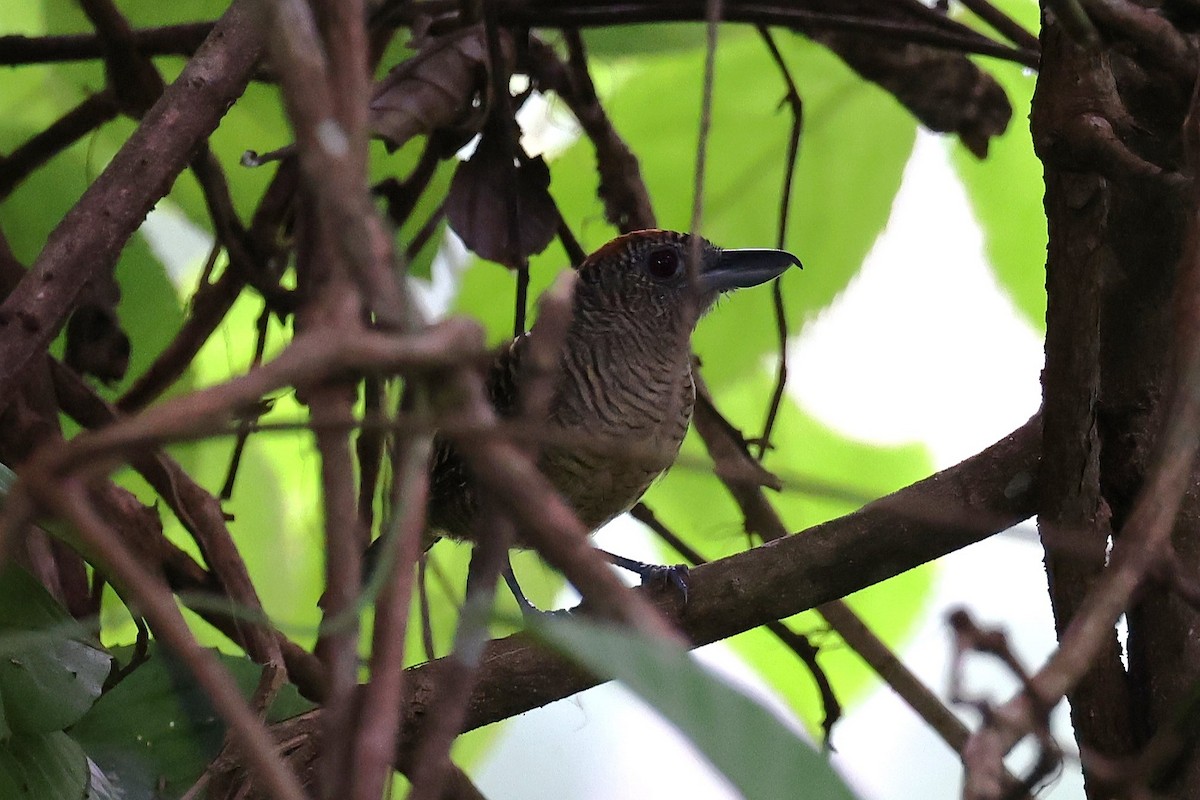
451, 500
504, 376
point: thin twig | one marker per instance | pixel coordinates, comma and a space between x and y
178, 40
369, 451
213, 301
502, 124
379, 718
81, 120
969, 637
1003, 24
426, 617
622, 190
247, 423
712, 17
425, 233
796, 105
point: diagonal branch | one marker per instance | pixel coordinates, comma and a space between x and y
987, 493
90, 237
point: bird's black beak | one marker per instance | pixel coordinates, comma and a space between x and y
741, 269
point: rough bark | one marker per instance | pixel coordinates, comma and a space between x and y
1108, 127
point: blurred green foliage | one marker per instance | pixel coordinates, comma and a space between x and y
759, 754
1006, 188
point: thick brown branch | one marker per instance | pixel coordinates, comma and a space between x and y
1073, 520
903, 21
945, 512
89, 239
1141, 543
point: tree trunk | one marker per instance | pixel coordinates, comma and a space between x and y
1109, 130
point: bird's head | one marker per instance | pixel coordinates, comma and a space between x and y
644, 276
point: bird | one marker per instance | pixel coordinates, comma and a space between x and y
625, 380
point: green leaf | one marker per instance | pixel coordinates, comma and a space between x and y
854, 148
47, 688
1006, 189
157, 727
759, 754
25, 605
48, 766
47, 679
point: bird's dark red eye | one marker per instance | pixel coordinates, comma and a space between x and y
662, 264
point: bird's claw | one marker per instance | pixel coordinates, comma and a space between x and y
652, 574
668, 574
532, 613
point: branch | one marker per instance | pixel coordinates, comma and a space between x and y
68, 497
90, 237
1003, 24
90, 114
987, 493
1073, 517
626, 202
1142, 541
901, 21
178, 40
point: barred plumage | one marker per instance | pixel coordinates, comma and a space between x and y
625, 380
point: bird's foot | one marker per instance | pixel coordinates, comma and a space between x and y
528, 610
655, 574
668, 574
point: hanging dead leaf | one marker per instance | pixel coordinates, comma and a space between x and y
95, 342
443, 86
96, 345
477, 205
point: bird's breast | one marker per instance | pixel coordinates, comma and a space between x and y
624, 424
